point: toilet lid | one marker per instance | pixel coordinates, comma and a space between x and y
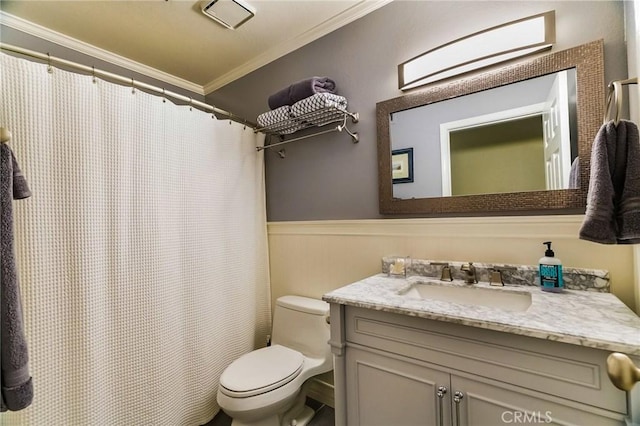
261, 371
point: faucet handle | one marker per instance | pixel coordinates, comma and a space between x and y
445, 273
495, 274
495, 277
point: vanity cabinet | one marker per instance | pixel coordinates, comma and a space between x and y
384, 390
400, 370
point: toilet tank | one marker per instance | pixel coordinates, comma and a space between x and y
300, 323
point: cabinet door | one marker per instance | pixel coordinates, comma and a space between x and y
390, 390
486, 402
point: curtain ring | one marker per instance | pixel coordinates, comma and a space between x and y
133, 86
164, 96
49, 67
190, 104
93, 74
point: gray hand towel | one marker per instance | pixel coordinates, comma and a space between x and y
15, 382
628, 215
300, 90
613, 200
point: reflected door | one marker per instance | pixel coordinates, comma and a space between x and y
557, 150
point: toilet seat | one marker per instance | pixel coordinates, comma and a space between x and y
261, 371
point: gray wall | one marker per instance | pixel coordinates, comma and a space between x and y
328, 177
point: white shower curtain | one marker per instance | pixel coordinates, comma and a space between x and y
142, 253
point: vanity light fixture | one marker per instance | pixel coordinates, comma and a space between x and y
491, 46
229, 13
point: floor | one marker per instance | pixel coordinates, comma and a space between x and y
324, 416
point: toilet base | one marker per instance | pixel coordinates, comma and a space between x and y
299, 414
302, 419
271, 421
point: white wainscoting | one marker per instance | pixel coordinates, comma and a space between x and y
314, 257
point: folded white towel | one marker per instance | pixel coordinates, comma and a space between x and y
313, 108
279, 120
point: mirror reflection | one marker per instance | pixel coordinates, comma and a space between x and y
586, 61
513, 138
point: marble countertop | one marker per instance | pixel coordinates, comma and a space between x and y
585, 318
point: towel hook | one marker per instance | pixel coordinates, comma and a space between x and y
617, 94
5, 135
610, 102
615, 98
614, 103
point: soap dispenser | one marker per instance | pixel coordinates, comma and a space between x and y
550, 271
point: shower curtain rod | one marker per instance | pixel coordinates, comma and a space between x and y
128, 81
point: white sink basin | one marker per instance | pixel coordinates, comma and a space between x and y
508, 300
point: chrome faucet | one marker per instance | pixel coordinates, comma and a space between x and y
470, 273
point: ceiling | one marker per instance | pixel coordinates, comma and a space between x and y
172, 40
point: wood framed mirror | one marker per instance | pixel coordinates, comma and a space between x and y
464, 169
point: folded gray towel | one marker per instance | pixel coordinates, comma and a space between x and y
613, 200
15, 382
300, 90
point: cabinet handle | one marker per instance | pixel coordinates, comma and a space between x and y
440, 394
457, 397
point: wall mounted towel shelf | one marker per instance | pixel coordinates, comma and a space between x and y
315, 119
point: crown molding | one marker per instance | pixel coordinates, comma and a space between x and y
355, 12
85, 48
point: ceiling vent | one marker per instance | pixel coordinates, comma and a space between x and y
229, 13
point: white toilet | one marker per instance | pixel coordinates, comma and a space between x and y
265, 387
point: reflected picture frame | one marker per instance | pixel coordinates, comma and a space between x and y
402, 165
